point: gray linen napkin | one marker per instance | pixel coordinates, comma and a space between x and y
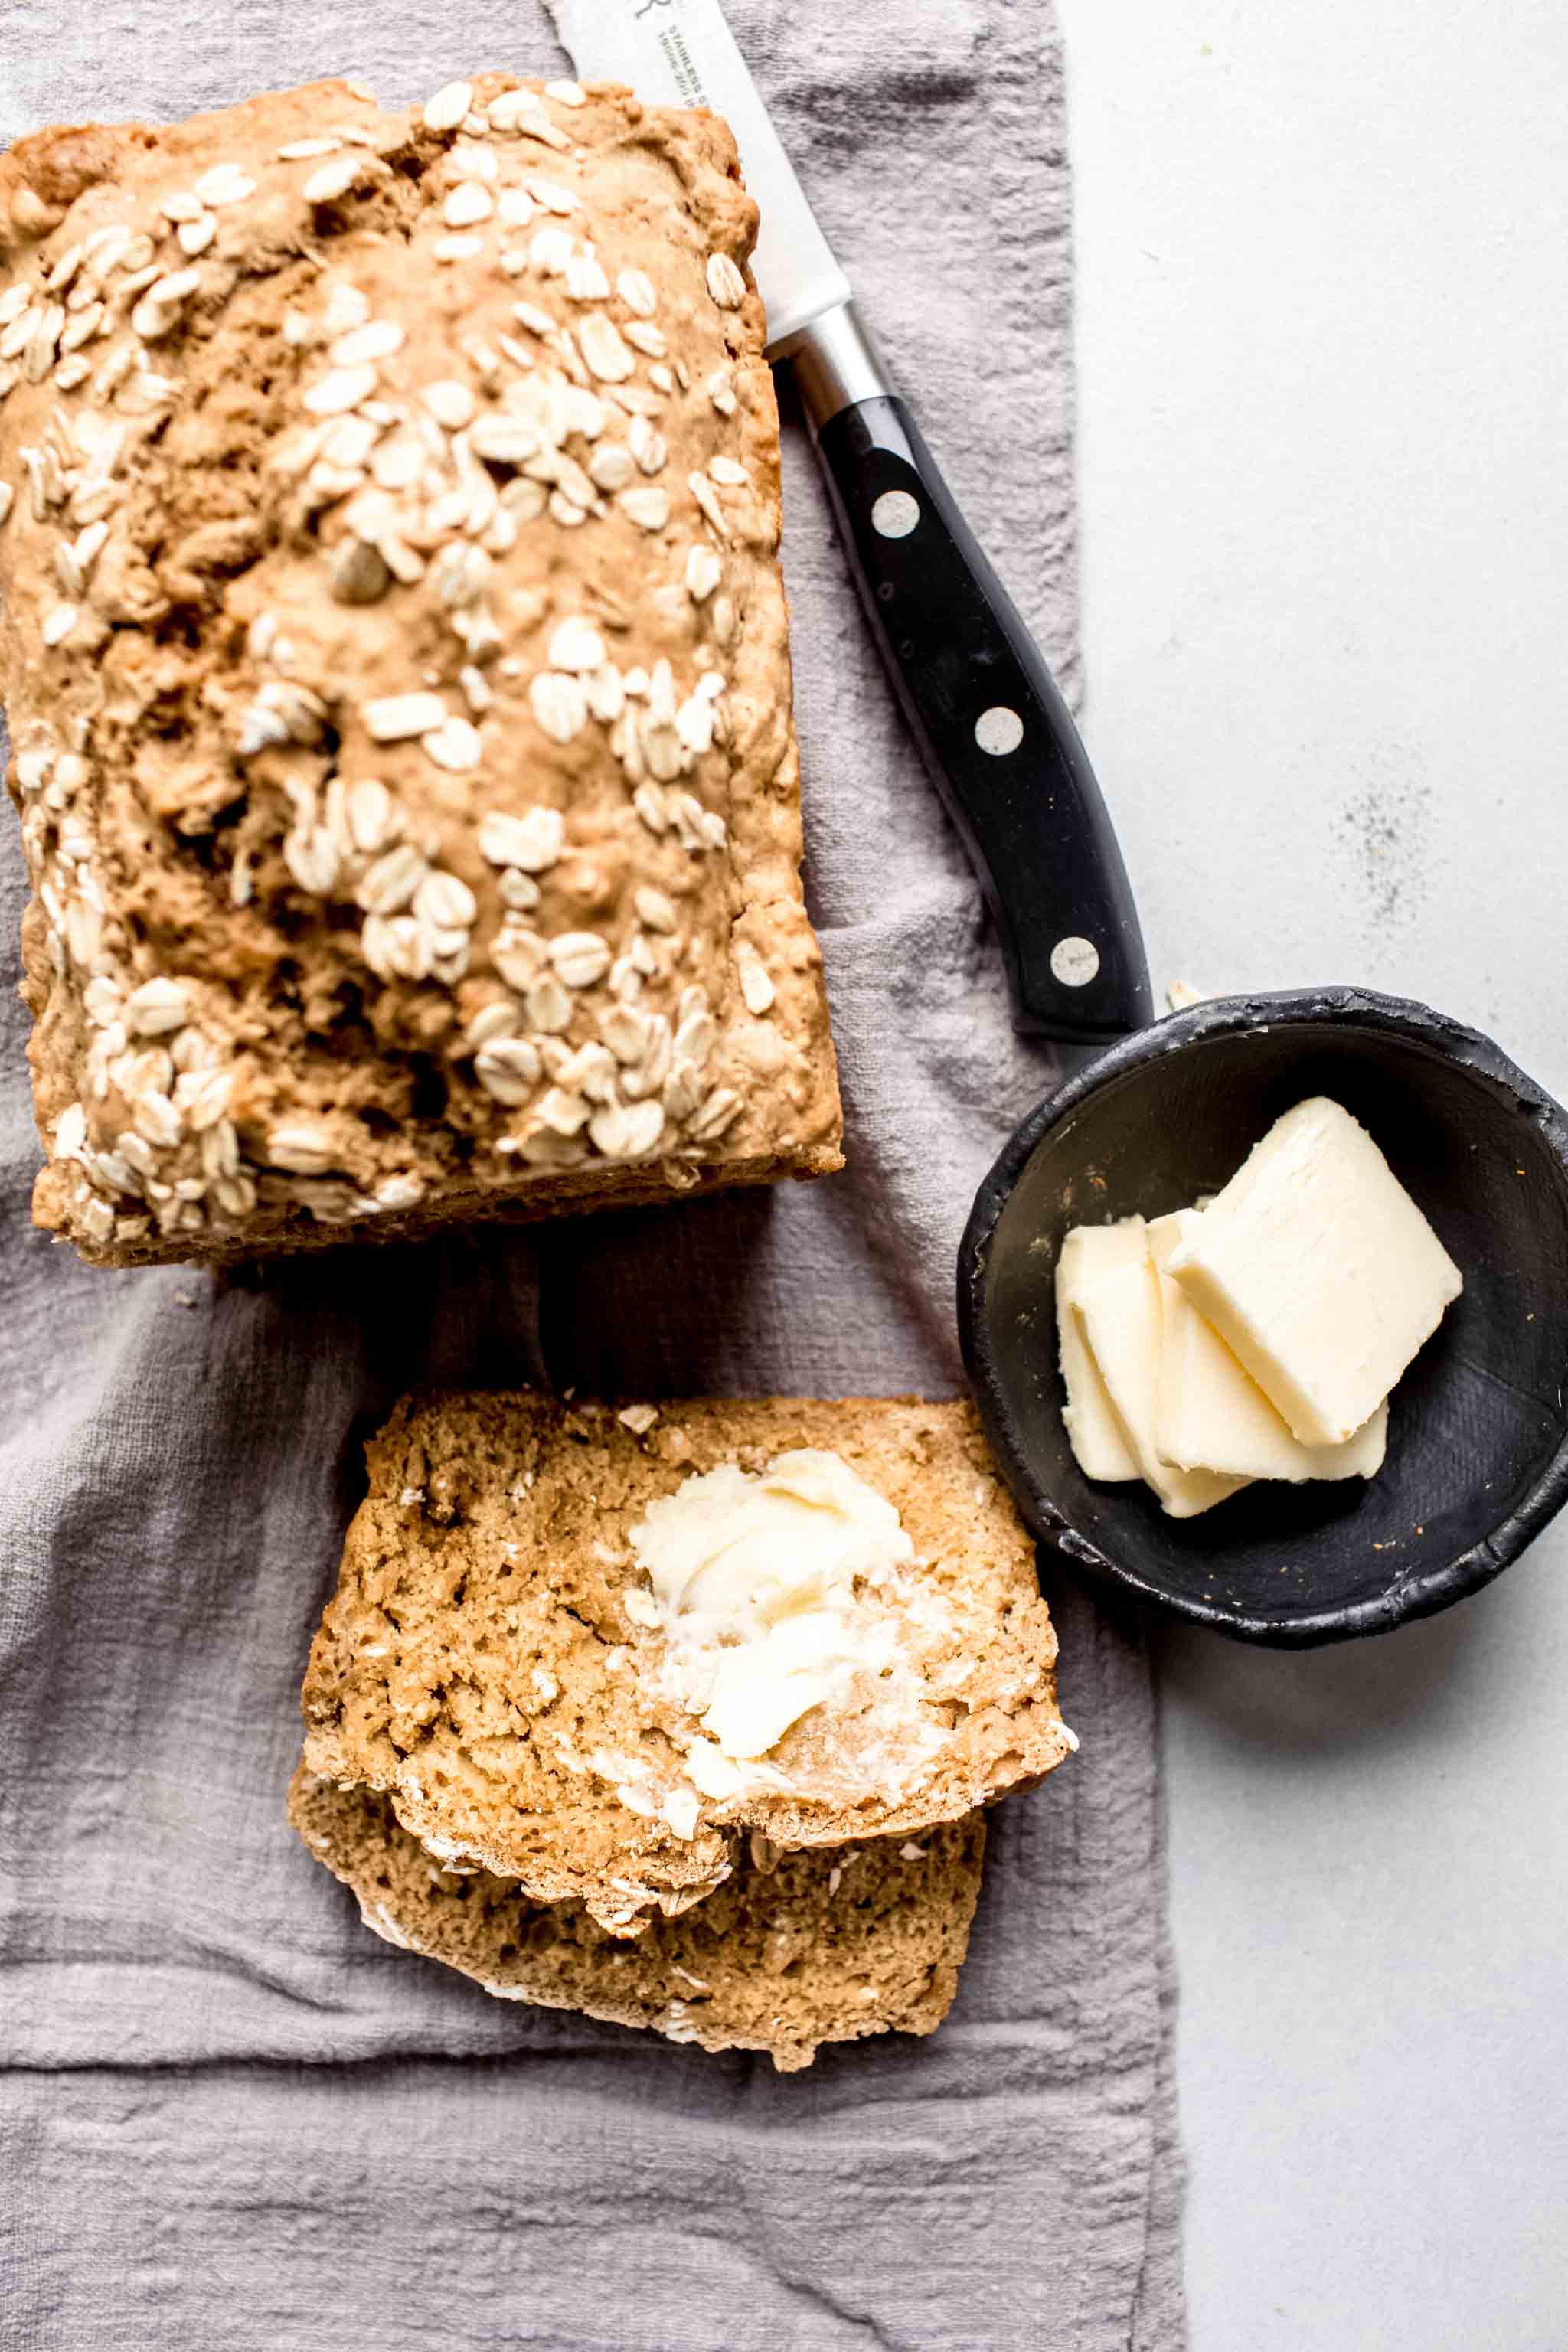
233, 2117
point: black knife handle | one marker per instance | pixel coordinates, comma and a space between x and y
994, 732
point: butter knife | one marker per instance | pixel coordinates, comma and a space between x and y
995, 734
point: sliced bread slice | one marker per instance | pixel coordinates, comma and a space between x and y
815, 1948
497, 1659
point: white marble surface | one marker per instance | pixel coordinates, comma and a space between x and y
1324, 342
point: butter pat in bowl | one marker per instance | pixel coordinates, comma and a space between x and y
1386, 1208
1319, 1270
1258, 1335
1211, 1414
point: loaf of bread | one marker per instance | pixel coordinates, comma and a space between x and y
497, 1661
396, 665
793, 1951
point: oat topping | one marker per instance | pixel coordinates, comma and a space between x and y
425, 664
333, 180
449, 107
725, 282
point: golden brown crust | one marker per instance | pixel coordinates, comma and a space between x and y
361, 495
817, 1948
481, 1664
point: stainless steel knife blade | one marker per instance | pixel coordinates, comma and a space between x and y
682, 53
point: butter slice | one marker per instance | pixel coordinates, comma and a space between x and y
1319, 1271
1095, 1433
1211, 1414
1120, 1318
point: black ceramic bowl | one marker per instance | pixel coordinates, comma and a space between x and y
1477, 1445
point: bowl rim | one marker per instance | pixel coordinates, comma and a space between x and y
1357, 1008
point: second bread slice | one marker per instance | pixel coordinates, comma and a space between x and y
815, 1947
